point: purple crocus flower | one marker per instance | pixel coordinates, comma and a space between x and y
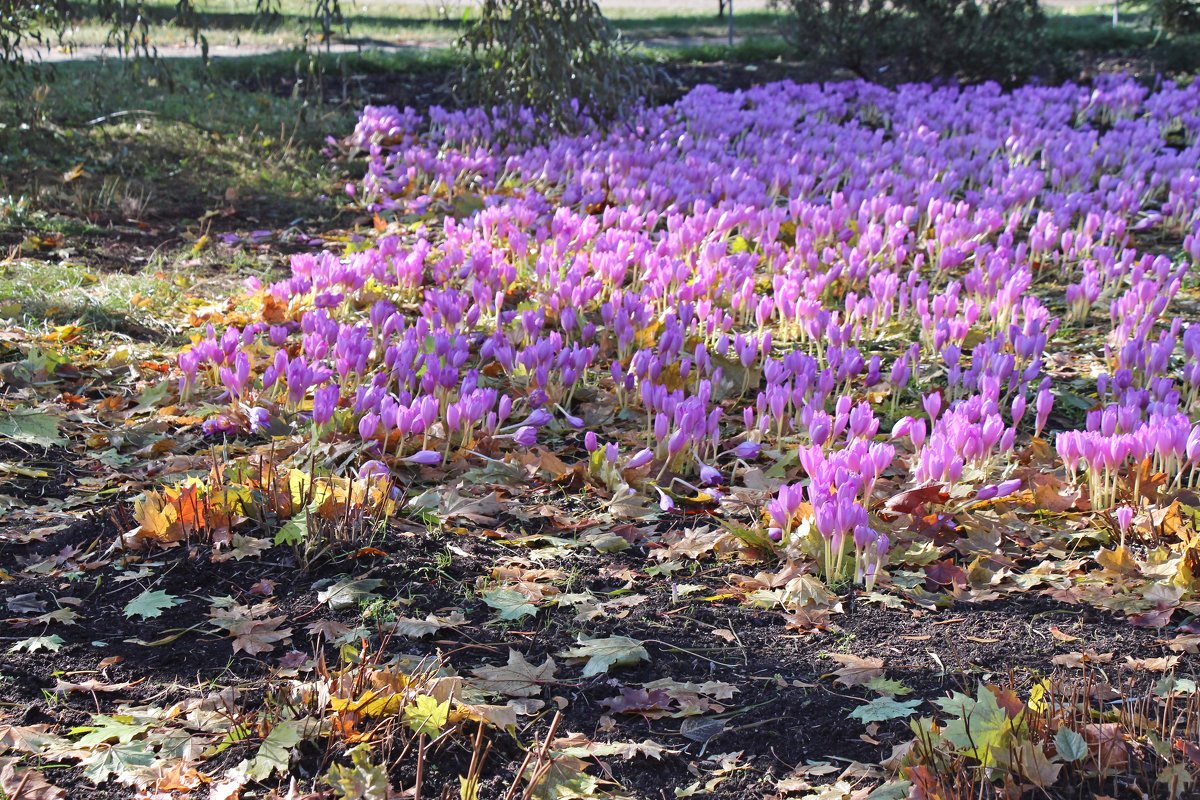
425, 457
747, 450
372, 470
260, 419
640, 459
710, 476
325, 400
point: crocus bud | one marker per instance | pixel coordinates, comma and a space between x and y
1124, 518
368, 425
526, 436
1005, 488
426, 457
537, 418
1018, 408
1043, 404
932, 403
917, 434
590, 443
640, 459
747, 450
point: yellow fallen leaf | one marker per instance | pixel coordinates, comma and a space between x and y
1118, 560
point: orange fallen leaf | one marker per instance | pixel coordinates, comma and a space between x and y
1062, 637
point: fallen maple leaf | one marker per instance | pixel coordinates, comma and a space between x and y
651, 704
517, 678
1118, 560
330, 629
1189, 643
856, 670
1161, 664
907, 502
179, 778
252, 632
1051, 494
27, 738
26, 784
91, 685
603, 654
1077, 659
579, 746
260, 635
1106, 741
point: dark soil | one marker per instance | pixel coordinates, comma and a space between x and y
787, 710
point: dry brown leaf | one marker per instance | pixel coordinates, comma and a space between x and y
517, 678
1076, 660
26, 738
1187, 643
26, 784
856, 670
1051, 494
502, 717
808, 620
908, 502
1162, 664
91, 686
330, 629
577, 744
229, 788
1107, 743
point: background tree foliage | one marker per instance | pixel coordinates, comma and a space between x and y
556, 57
897, 40
26, 23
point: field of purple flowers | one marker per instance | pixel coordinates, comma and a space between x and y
864, 421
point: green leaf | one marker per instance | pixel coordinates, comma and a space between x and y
892, 790
32, 427
120, 760
426, 715
978, 727
1070, 745
361, 781
511, 604
348, 593
35, 643
275, 751
608, 542
888, 686
882, 709
603, 654
122, 729
153, 396
294, 530
148, 604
